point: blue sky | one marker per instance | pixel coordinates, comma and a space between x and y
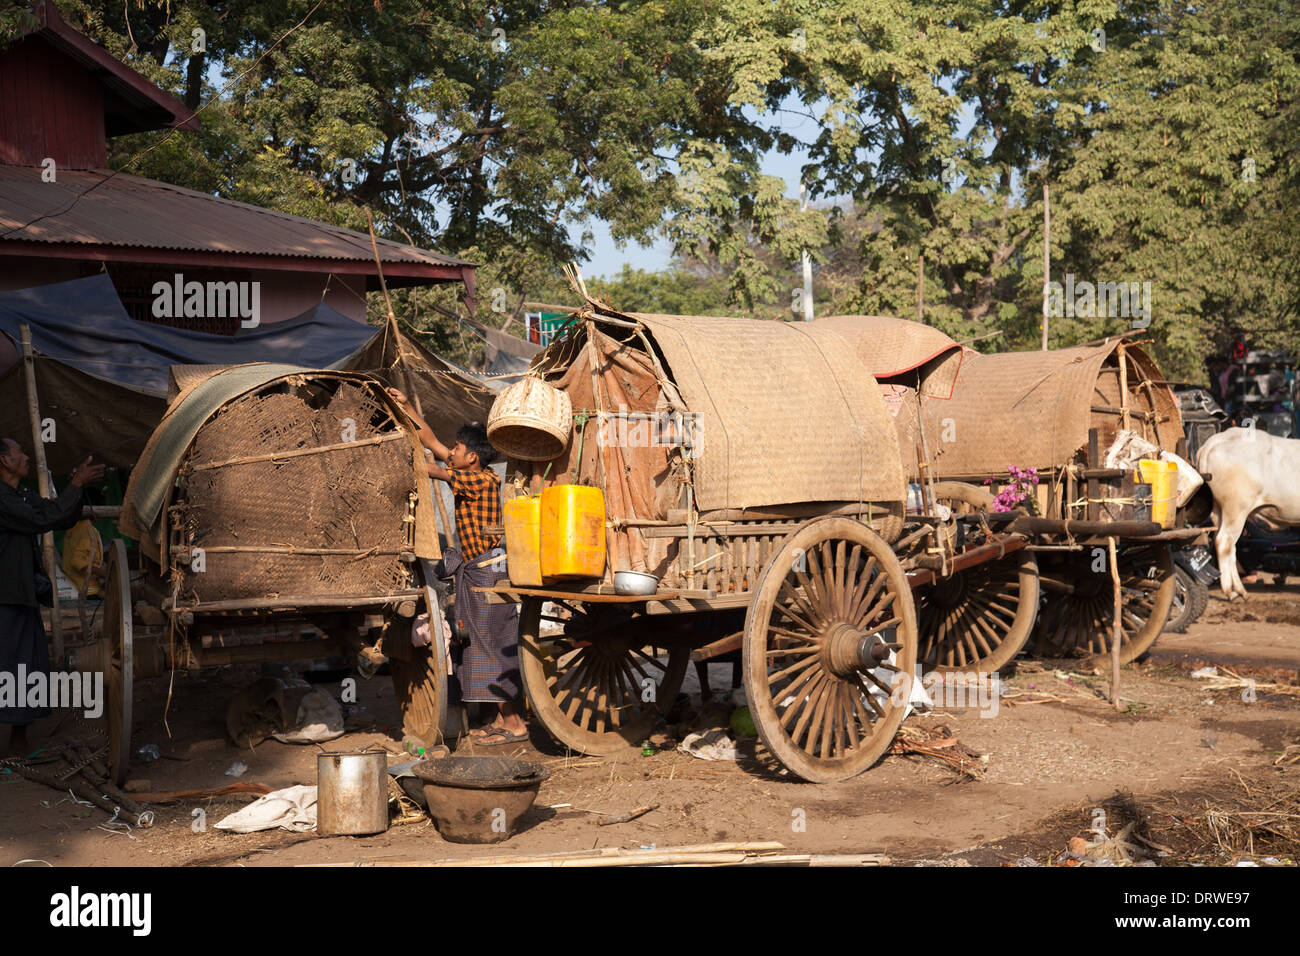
607, 259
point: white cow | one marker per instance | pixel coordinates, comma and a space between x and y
1251, 473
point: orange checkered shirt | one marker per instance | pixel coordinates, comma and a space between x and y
478, 506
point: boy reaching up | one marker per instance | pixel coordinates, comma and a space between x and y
489, 667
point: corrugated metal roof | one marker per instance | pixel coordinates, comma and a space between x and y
129, 211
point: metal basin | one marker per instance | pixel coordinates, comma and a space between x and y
635, 582
479, 799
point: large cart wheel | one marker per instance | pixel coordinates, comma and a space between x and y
118, 635
830, 650
421, 682
980, 618
598, 686
1079, 622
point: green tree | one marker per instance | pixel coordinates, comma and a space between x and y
499, 127
1182, 171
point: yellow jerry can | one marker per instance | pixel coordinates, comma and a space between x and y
1162, 476
573, 532
523, 523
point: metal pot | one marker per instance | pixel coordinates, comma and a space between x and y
479, 799
352, 793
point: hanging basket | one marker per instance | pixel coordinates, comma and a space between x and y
530, 421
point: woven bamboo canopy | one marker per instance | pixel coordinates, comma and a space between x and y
779, 414
1035, 409
898, 351
293, 481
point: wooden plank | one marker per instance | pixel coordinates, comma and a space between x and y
591, 597
292, 603
273, 651
793, 512
685, 605
1094, 462
285, 549
690, 854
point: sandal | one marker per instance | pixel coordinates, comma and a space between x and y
507, 737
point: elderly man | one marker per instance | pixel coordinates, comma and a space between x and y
23, 515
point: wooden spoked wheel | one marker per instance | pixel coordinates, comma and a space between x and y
421, 682
830, 650
980, 618
1079, 623
597, 686
118, 634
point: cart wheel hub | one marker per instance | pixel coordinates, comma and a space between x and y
849, 650
951, 591
1091, 585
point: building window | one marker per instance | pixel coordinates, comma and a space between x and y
135, 285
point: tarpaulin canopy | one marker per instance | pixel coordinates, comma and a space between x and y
102, 377
82, 324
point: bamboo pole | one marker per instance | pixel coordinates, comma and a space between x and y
1117, 631
43, 484
1123, 387
407, 381
297, 452
624, 857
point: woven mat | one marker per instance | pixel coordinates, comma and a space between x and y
1034, 409
893, 348
786, 413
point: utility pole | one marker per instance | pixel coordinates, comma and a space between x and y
920, 287
1047, 259
807, 263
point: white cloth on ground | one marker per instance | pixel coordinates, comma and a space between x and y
293, 808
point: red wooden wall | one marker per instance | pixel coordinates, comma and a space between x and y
50, 106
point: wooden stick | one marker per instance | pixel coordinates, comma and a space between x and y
98, 512
627, 817
406, 377
439, 509
299, 452
176, 796
1117, 628
370, 224
580, 857
43, 483
284, 549
1123, 387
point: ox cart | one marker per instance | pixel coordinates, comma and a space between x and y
1058, 412
772, 514
276, 498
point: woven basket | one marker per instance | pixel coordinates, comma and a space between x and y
530, 421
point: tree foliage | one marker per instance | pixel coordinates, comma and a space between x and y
1168, 134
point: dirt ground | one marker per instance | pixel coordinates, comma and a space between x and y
1203, 770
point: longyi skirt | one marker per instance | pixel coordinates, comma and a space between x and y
22, 641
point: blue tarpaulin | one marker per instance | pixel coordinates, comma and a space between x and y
83, 324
